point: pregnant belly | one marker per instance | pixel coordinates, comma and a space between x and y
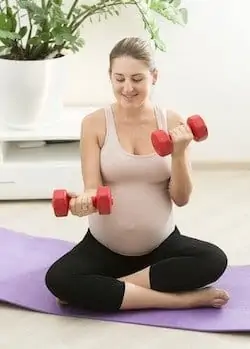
139, 222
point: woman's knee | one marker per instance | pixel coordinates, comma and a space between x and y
55, 280
216, 261
88, 291
186, 273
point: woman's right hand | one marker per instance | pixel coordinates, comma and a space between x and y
81, 205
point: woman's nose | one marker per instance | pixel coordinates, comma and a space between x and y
128, 87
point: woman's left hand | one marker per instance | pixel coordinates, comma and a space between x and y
181, 137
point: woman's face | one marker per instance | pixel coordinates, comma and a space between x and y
131, 81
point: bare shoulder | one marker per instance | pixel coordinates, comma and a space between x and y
173, 119
93, 125
93, 121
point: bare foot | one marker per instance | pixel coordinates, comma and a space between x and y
206, 297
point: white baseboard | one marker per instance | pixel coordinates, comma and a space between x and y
221, 166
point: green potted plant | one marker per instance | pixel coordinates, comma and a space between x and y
36, 37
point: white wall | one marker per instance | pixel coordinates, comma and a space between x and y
206, 70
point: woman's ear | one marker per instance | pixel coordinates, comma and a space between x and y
155, 76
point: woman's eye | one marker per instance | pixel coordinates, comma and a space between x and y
133, 80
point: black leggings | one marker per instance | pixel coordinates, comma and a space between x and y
86, 276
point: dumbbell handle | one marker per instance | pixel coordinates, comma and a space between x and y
162, 140
93, 199
103, 201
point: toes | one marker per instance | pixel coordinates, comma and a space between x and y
222, 294
226, 295
217, 303
220, 299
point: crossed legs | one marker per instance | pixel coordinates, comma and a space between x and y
172, 276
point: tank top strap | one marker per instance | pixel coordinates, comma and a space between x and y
110, 123
161, 116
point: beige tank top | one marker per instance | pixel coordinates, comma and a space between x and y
142, 213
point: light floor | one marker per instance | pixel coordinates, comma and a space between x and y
218, 212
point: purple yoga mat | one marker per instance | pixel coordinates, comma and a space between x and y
25, 260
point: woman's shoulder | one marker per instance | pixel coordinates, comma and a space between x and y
94, 124
95, 120
95, 116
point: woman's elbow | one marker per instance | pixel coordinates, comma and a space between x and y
180, 202
181, 199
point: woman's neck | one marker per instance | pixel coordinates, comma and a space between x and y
134, 113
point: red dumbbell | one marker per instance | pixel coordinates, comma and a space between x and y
162, 141
103, 201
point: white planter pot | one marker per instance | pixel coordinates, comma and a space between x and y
31, 92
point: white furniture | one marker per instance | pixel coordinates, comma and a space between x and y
37, 85
30, 168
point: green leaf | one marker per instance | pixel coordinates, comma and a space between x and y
23, 31
2, 49
35, 41
12, 19
4, 34
86, 7
5, 22
45, 36
50, 28
176, 3
184, 14
59, 40
58, 2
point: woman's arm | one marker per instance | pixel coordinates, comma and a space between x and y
91, 127
180, 186
82, 205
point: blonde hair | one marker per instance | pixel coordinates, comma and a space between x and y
136, 48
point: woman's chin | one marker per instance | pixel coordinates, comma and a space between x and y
128, 103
